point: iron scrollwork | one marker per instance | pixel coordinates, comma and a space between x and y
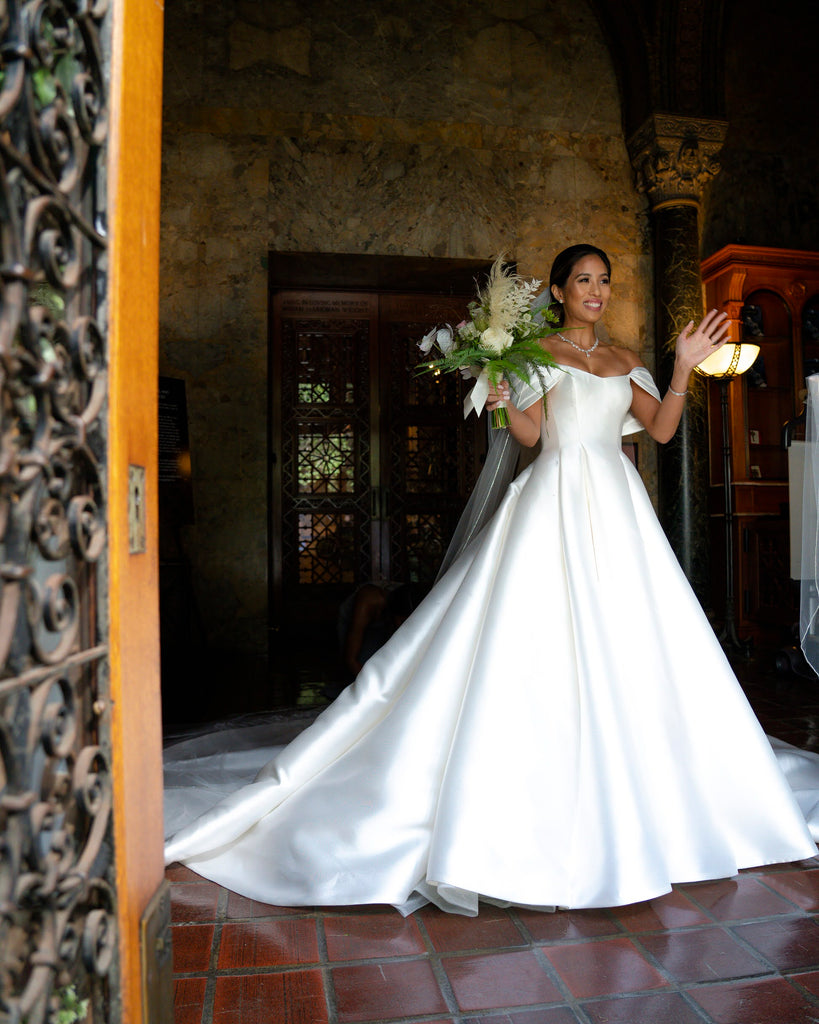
57, 899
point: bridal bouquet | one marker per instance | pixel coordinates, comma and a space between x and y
499, 339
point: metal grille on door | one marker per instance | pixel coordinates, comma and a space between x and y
371, 463
57, 928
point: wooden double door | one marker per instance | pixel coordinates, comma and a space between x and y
371, 462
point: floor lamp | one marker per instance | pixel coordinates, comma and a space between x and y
732, 360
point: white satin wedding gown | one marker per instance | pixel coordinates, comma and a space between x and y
554, 726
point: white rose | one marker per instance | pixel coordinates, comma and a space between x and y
496, 339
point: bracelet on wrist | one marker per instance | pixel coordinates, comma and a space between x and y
679, 394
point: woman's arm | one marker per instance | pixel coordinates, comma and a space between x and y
370, 603
524, 425
661, 419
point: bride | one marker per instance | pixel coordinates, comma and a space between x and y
519, 739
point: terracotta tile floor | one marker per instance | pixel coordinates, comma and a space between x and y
738, 951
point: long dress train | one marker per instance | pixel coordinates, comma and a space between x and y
555, 725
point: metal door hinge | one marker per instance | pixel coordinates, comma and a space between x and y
155, 957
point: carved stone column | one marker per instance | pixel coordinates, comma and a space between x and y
673, 158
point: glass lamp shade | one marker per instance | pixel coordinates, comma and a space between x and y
729, 361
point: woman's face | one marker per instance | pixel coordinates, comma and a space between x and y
586, 293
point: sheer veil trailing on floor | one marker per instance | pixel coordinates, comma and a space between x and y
518, 739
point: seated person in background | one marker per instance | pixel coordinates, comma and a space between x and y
369, 617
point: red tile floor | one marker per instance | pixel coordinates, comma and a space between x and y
737, 951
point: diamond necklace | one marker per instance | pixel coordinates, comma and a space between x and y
586, 351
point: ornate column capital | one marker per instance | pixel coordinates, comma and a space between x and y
675, 156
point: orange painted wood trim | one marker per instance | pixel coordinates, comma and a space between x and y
759, 256
133, 215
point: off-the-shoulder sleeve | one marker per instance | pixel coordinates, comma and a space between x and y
524, 395
643, 379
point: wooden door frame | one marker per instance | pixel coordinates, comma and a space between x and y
133, 265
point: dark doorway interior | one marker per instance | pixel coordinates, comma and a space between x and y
370, 463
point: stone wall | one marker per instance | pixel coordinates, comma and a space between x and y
450, 130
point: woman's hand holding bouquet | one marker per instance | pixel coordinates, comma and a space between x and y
501, 339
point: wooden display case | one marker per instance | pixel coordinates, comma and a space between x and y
772, 299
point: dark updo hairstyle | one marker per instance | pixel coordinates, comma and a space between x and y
563, 265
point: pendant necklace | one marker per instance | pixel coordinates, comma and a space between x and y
586, 351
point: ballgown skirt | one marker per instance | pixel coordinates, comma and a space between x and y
554, 726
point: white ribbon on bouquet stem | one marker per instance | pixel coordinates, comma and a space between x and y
476, 399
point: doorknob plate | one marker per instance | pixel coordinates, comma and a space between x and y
136, 510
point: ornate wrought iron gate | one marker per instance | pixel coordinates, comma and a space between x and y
57, 898
372, 464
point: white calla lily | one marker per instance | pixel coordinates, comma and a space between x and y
428, 340
445, 339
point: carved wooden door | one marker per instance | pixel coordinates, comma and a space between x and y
371, 464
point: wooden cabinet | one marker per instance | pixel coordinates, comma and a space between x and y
772, 299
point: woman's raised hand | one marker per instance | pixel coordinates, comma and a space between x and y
497, 393
694, 344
